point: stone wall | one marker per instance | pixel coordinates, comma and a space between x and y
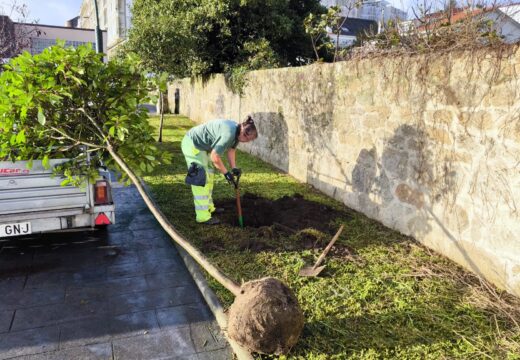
429, 147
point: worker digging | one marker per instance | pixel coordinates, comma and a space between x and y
203, 147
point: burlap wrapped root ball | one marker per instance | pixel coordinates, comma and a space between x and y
266, 317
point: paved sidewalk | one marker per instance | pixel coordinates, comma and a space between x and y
120, 294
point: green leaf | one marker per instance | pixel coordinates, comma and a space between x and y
149, 157
41, 117
112, 131
45, 162
20, 138
65, 182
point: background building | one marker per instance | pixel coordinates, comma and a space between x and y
114, 17
47, 35
378, 10
34, 38
351, 29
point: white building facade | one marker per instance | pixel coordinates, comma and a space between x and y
114, 17
378, 10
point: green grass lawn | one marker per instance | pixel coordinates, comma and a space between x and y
386, 296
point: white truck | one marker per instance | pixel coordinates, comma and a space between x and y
33, 201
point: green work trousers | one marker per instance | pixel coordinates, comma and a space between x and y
202, 195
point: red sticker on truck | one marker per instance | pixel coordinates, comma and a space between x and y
13, 171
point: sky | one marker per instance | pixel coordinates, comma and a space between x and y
47, 12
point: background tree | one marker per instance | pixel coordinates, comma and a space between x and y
13, 40
200, 37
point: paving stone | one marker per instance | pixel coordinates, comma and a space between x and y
55, 314
84, 332
11, 283
28, 342
155, 235
88, 352
182, 357
5, 320
207, 336
134, 324
153, 299
176, 278
106, 289
144, 268
157, 255
171, 343
63, 279
143, 222
31, 297
221, 354
183, 315
120, 238
44, 279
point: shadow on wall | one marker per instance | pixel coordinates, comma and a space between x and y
401, 187
272, 144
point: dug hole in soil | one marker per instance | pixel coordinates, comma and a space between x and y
288, 223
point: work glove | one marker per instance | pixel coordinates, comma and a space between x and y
237, 172
230, 178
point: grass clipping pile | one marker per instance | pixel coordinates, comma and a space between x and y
266, 317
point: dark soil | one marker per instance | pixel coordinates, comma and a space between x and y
293, 212
288, 223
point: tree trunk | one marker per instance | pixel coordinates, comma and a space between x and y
161, 111
190, 249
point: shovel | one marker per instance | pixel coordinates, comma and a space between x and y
239, 206
316, 269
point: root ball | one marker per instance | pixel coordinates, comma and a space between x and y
266, 317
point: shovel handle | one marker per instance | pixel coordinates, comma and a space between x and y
327, 249
239, 209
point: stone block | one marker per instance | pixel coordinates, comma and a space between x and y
222, 354
456, 218
31, 341
133, 324
84, 332
169, 344
439, 135
444, 117
501, 96
410, 196
152, 299
183, 315
481, 120
207, 336
5, 320
88, 352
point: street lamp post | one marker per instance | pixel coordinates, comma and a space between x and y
99, 38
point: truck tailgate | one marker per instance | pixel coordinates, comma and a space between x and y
23, 190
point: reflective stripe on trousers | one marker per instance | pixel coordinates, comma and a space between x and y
202, 195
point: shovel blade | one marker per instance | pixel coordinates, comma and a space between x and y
311, 271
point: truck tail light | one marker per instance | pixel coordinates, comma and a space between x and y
102, 219
101, 193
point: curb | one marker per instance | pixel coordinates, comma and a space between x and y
208, 294
212, 301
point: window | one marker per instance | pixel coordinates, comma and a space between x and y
38, 45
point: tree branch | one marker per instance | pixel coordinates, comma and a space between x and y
76, 141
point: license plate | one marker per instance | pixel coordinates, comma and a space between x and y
16, 229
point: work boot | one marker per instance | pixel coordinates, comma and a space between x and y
212, 221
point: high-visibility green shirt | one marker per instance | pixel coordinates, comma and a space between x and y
218, 135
